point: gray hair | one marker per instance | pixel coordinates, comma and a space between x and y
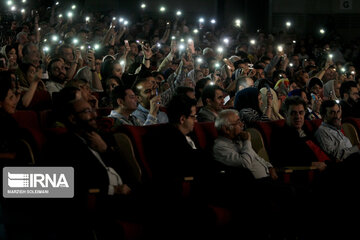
222, 119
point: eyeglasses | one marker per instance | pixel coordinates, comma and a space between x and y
238, 122
193, 116
86, 110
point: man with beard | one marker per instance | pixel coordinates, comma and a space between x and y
213, 99
329, 135
349, 94
146, 90
57, 75
97, 168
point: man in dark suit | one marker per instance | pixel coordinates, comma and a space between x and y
95, 170
173, 156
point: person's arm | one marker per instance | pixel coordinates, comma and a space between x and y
36, 29
167, 60
119, 35
28, 96
95, 82
332, 146
228, 155
166, 35
74, 65
268, 68
107, 36
147, 55
322, 72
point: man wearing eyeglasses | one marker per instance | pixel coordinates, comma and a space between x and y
97, 168
233, 146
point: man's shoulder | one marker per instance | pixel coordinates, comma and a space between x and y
206, 115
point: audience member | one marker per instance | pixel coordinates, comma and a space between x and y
213, 99
148, 111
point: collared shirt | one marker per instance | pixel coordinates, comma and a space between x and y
122, 120
114, 177
143, 116
334, 142
240, 154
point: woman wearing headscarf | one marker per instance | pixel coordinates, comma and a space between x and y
332, 90
249, 102
275, 104
9, 53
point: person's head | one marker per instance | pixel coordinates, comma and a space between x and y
66, 52
198, 74
145, 88
349, 92
8, 99
31, 54
277, 75
181, 112
213, 97
244, 82
330, 112
56, 70
111, 82
294, 110
111, 67
200, 86
159, 77
188, 91
315, 85
79, 116
10, 52
301, 78
204, 68
82, 85
229, 124
22, 38
248, 98
29, 71
134, 50
124, 98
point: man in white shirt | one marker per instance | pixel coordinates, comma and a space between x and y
329, 135
233, 146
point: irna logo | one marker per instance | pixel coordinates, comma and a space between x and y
38, 182
23, 180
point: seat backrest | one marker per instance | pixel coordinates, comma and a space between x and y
266, 130
354, 121
105, 124
103, 111
127, 153
206, 134
27, 119
136, 134
257, 143
351, 133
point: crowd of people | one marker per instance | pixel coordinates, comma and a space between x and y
158, 70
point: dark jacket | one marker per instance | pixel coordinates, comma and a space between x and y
289, 149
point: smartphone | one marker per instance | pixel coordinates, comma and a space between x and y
126, 43
226, 99
313, 96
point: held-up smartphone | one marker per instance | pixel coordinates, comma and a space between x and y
226, 99
313, 96
126, 43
